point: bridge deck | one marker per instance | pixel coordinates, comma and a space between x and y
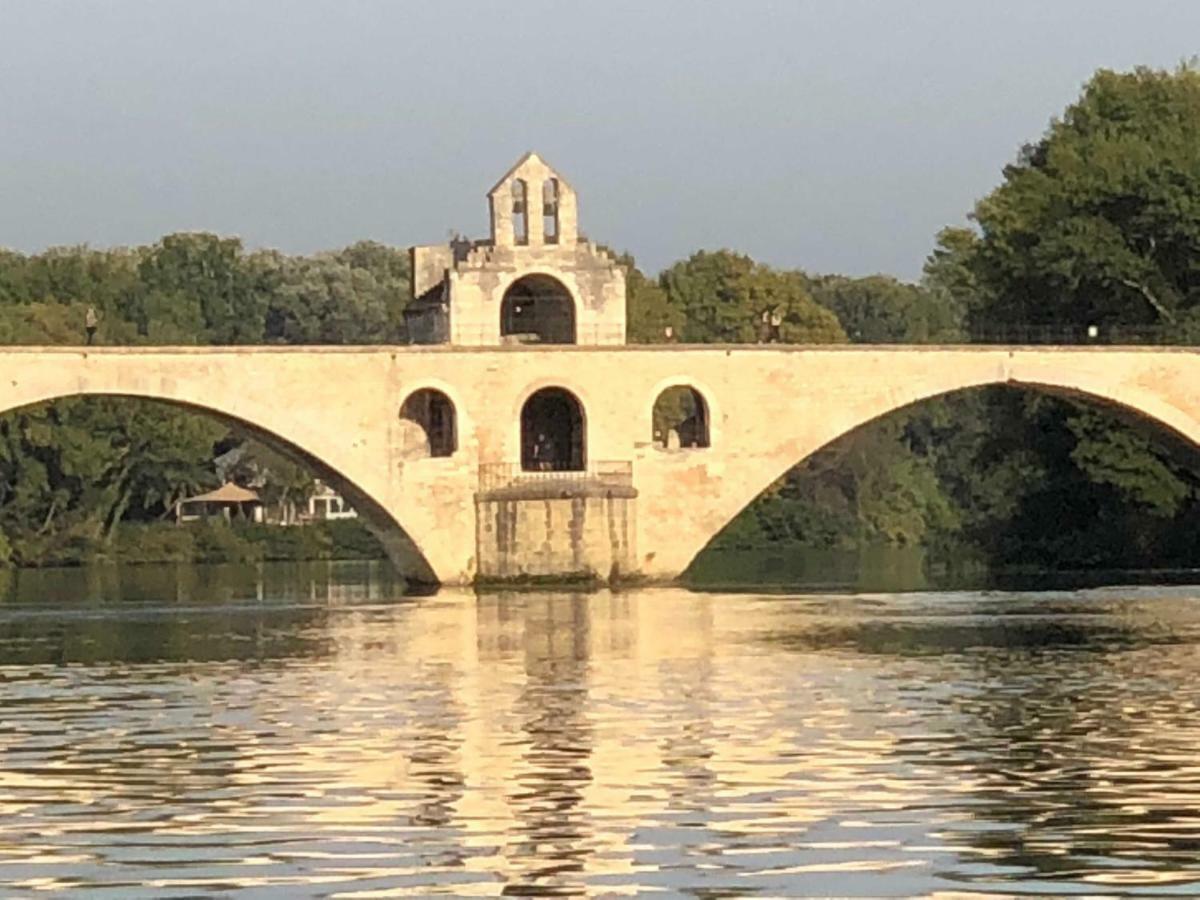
527, 350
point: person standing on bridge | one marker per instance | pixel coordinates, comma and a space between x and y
764, 327
90, 321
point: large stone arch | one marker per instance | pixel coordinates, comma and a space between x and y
744, 480
290, 430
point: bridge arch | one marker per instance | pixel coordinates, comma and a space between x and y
745, 480
291, 437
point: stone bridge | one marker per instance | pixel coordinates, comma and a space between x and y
450, 510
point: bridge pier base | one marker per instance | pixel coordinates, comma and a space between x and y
547, 530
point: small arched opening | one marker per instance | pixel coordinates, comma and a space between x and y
538, 309
550, 211
553, 435
680, 419
432, 426
520, 211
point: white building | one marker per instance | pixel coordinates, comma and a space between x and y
325, 504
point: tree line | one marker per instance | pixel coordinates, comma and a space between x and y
1095, 227
75, 473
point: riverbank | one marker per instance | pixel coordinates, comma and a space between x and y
204, 542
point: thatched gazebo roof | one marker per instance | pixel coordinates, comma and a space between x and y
226, 493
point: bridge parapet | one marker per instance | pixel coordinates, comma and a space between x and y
484, 335
509, 481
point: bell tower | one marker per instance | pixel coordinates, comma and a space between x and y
532, 206
534, 280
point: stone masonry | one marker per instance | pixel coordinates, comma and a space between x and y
769, 407
461, 286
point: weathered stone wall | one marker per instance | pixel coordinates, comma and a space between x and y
428, 266
585, 535
593, 278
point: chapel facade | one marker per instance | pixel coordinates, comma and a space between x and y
535, 280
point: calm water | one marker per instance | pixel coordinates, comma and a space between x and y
290, 731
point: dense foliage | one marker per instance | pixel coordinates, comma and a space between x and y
1099, 221
1097, 224
74, 472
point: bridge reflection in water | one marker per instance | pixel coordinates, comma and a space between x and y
558, 743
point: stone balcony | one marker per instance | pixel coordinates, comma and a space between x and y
602, 478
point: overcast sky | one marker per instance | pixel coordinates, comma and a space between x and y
835, 136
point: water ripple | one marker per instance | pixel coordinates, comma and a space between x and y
333, 739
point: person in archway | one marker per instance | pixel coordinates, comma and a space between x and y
543, 452
90, 322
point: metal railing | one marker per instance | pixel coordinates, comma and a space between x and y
1083, 335
601, 473
988, 335
1011, 334
488, 334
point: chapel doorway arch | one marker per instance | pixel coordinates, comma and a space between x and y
537, 309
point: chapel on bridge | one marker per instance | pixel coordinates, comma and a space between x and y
535, 280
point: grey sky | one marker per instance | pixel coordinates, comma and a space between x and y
832, 136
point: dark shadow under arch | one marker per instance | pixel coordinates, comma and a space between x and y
538, 309
434, 413
401, 548
553, 432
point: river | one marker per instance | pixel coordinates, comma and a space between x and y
285, 731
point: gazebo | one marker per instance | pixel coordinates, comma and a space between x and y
225, 502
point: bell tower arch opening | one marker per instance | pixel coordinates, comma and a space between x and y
520, 212
550, 210
553, 432
537, 309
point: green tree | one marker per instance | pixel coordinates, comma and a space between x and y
1099, 221
650, 318
202, 281
882, 309
326, 300
950, 276
72, 470
723, 297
